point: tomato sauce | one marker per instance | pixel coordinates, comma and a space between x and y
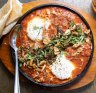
62, 17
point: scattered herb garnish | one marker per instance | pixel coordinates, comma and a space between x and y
20, 64
79, 29
72, 23
37, 28
61, 41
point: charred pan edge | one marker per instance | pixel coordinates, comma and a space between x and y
92, 40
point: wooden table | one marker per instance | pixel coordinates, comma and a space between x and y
7, 80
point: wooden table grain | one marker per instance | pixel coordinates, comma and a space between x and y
7, 80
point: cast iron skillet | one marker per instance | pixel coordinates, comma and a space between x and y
90, 59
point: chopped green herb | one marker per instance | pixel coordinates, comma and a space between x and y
20, 64
64, 52
37, 28
79, 29
29, 56
72, 23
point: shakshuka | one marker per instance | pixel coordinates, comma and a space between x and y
54, 45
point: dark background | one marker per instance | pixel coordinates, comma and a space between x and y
7, 80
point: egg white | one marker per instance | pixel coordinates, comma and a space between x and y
36, 26
62, 68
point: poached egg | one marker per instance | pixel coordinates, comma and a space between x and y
62, 68
36, 26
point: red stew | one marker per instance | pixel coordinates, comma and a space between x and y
76, 45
